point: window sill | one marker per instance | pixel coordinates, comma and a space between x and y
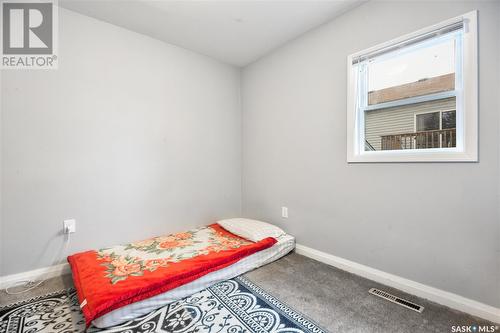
410, 156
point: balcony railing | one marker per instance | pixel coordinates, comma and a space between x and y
445, 138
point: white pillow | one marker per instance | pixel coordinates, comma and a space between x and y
251, 229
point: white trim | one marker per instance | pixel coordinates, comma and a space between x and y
413, 155
45, 273
466, 108
446, 298
470, 86
451, 300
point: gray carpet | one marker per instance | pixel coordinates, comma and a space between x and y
337, 300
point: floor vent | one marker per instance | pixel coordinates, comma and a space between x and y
397, 300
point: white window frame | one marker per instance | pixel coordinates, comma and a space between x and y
466, 104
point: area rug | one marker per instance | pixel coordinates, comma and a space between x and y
233, 306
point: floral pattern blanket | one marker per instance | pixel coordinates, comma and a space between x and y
113, 277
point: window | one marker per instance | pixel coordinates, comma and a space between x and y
435, 130
415, 98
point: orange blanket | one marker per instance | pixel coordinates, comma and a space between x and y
110, 278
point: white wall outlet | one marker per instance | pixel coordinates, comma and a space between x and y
284, 212
69, 226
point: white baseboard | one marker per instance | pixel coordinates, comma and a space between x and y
40, 273
451, 300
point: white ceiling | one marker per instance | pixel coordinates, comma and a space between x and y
234, 32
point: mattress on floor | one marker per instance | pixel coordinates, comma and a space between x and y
110, 278
284, 245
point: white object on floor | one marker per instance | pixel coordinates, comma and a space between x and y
285, 244
251, 229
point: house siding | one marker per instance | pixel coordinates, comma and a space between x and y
400, 119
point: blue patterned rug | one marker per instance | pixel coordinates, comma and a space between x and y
233, 306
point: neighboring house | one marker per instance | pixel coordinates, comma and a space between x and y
416, 126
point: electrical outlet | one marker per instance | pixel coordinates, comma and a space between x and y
284, 212
69, 226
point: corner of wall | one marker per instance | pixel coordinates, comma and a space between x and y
240, 111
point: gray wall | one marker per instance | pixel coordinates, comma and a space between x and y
130, 136
435, 223
498, 140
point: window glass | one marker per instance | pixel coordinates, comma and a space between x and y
449, 119
417, 64
427, 121
398, 77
